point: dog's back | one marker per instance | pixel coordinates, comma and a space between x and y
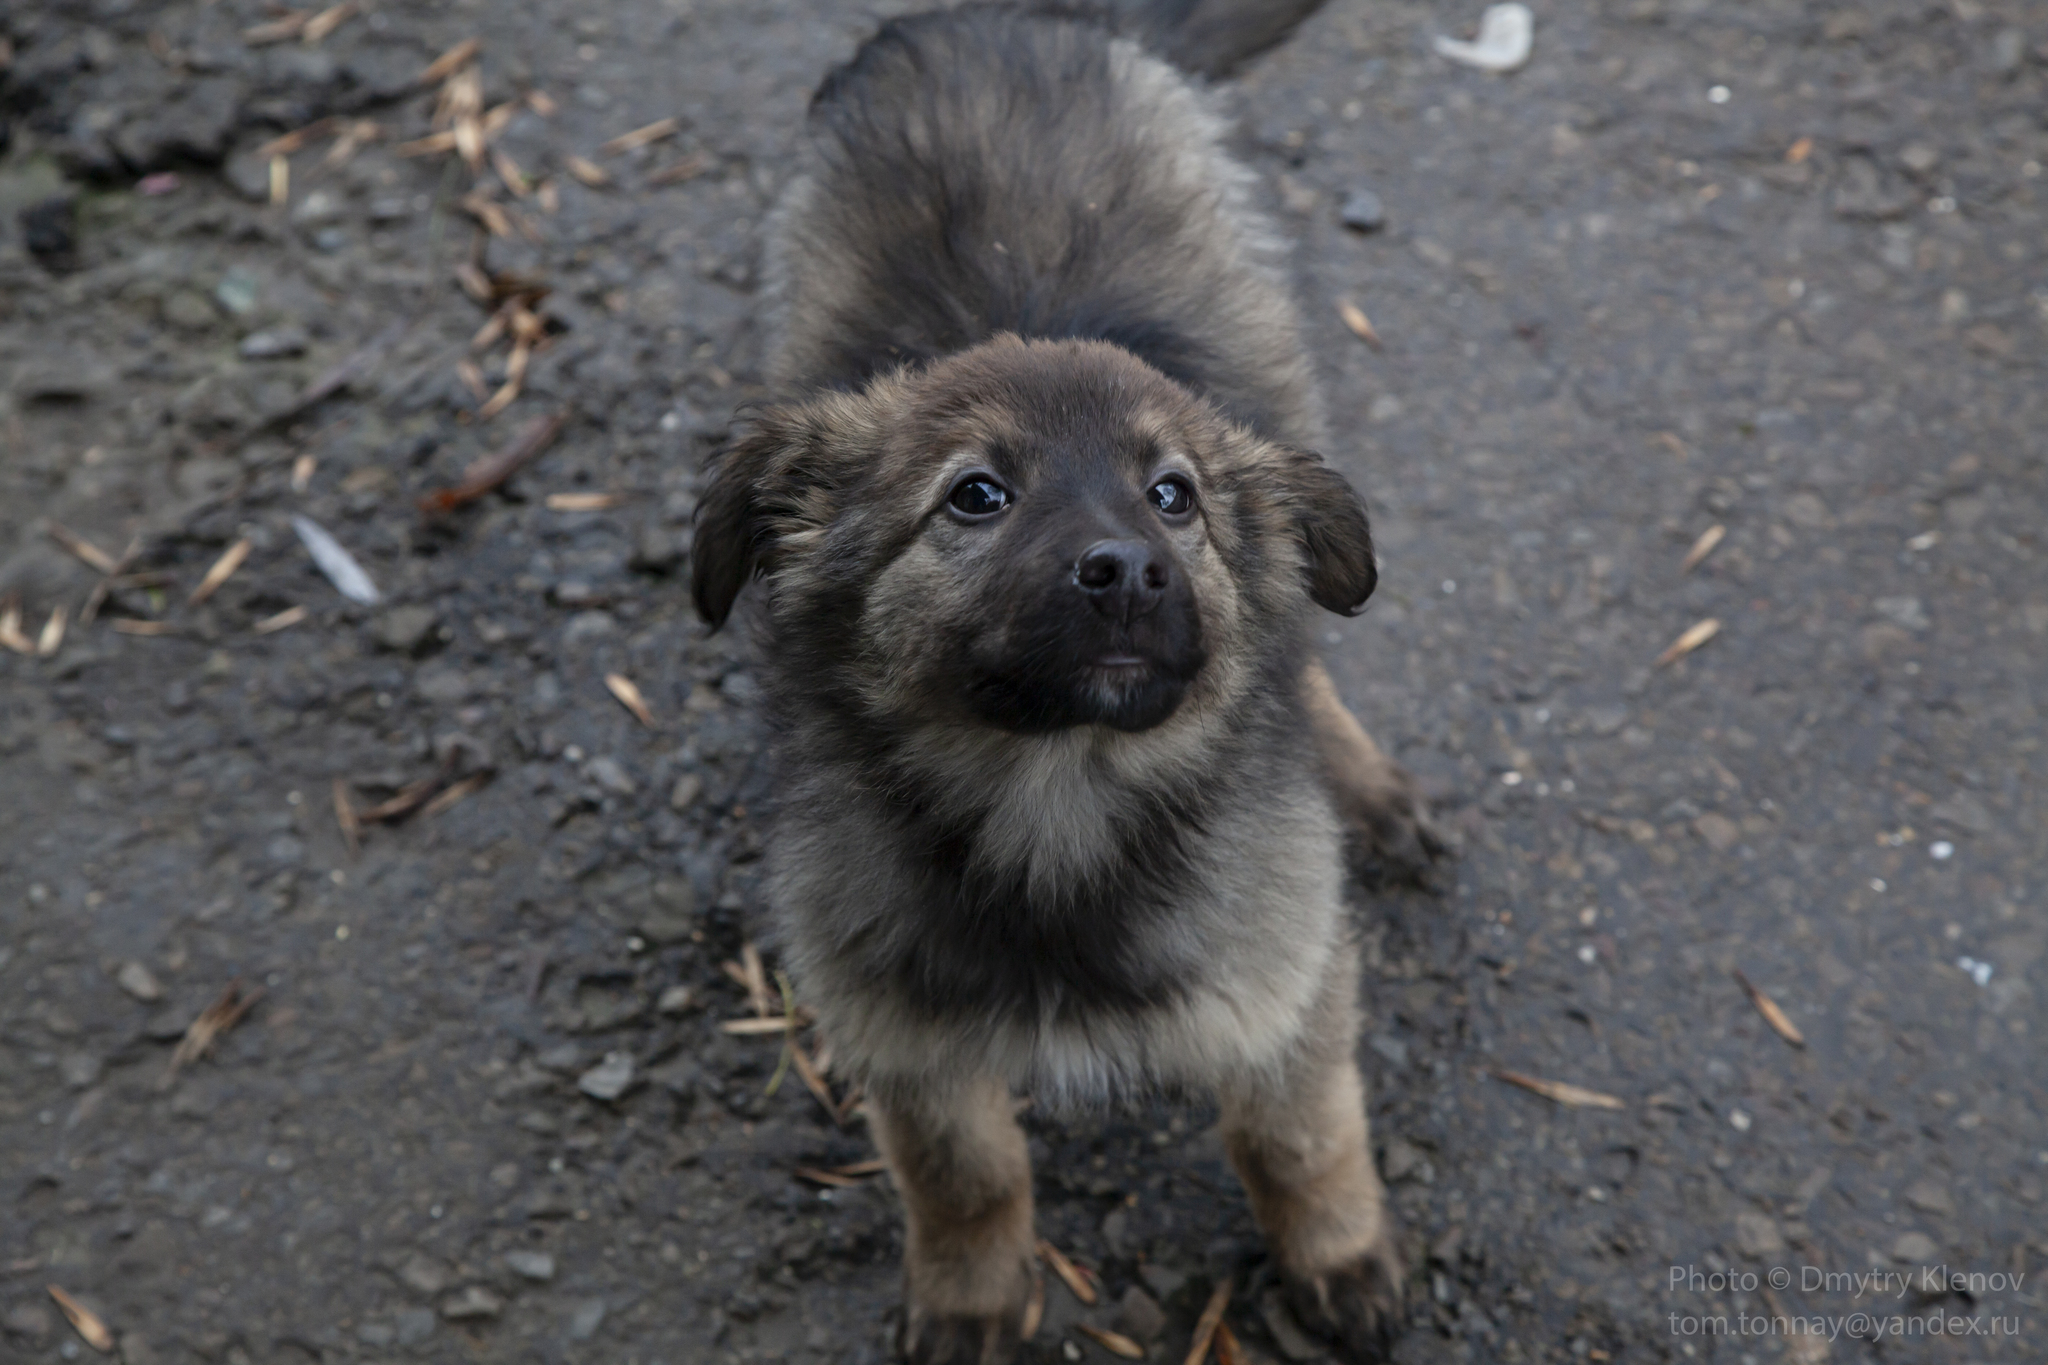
992, 169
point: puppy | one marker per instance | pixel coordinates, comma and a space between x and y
1062, 793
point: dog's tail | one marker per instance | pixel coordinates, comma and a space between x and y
1211, 37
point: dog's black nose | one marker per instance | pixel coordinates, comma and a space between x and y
1123, 578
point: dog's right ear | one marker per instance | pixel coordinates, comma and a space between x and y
755, 488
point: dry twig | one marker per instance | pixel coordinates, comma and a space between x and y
223, 1014
82, 1319
222, 570
640, 137
487, 473
1206, 1325
1560, 1092
1071, 1275
1780, 1022
1695, 635
1703, 547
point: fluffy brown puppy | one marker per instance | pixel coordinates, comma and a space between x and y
1062, 794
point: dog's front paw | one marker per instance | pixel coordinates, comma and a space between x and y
1392, 835
1357, 1307
951, 1339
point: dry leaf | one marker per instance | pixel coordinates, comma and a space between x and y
754, 1028
1695, 635
1116, 1343
1227, 1350
1360, 325
754, 976
52, 638
1571, 1096
813, 1076
469, 141
629, 697
589, 172
487, 473
541, 102
1669, 440
689, 168
1703, 547
491, 215
223, 1014
302, 472
95, 599
640, 137
359, 132
10, 630
408, 799
1206, 1325
431, 145
1799, 151
87, 552
454, 796
222, 570
83, 1319
548, 197
1780, 1022
509, 172
129, 625
581, 502
345, 816
448, 62
1070, 1274
279, 30
328, 20
832, 1178
283, 620
1034, 1309
280, 180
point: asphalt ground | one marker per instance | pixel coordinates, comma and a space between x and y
1774, 268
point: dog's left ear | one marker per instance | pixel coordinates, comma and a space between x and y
755, 490
1330, 519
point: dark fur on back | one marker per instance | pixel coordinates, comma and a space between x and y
993, 169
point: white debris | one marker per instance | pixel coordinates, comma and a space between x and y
338, 564
1506, 34
1941, 850
1979, 972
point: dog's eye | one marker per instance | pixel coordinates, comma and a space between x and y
978, 497
1172, 496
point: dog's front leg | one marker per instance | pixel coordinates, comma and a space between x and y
959, 1159
1388, 819
1298, 1139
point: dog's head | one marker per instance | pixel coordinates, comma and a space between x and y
1033, 535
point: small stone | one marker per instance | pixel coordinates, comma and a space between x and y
1919, 157
685, 793
136, 1350
30, 1320
405, 630
317, 209
561, 1058
610, 1078
1964, 811
1906, 611
671, 912
611, 775
1393, 1049
236, 293
1163, 1280
49, 229
676, 1000
248, 175
473, 1304
188, 311
274, 343
1720, 833
1287, 1334
1402, 1160
1116, 1225
1362, 211
586, 1319
1914, 1248
389, 209
423, 1274
79, 1069
538, 1266
1930, 1196
376, 1334
1757, 1235
139, 982
1139, 1316
414, 1326
656, 551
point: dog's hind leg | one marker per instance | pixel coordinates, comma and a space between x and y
959, 1159
1299, 1141
1383, 810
